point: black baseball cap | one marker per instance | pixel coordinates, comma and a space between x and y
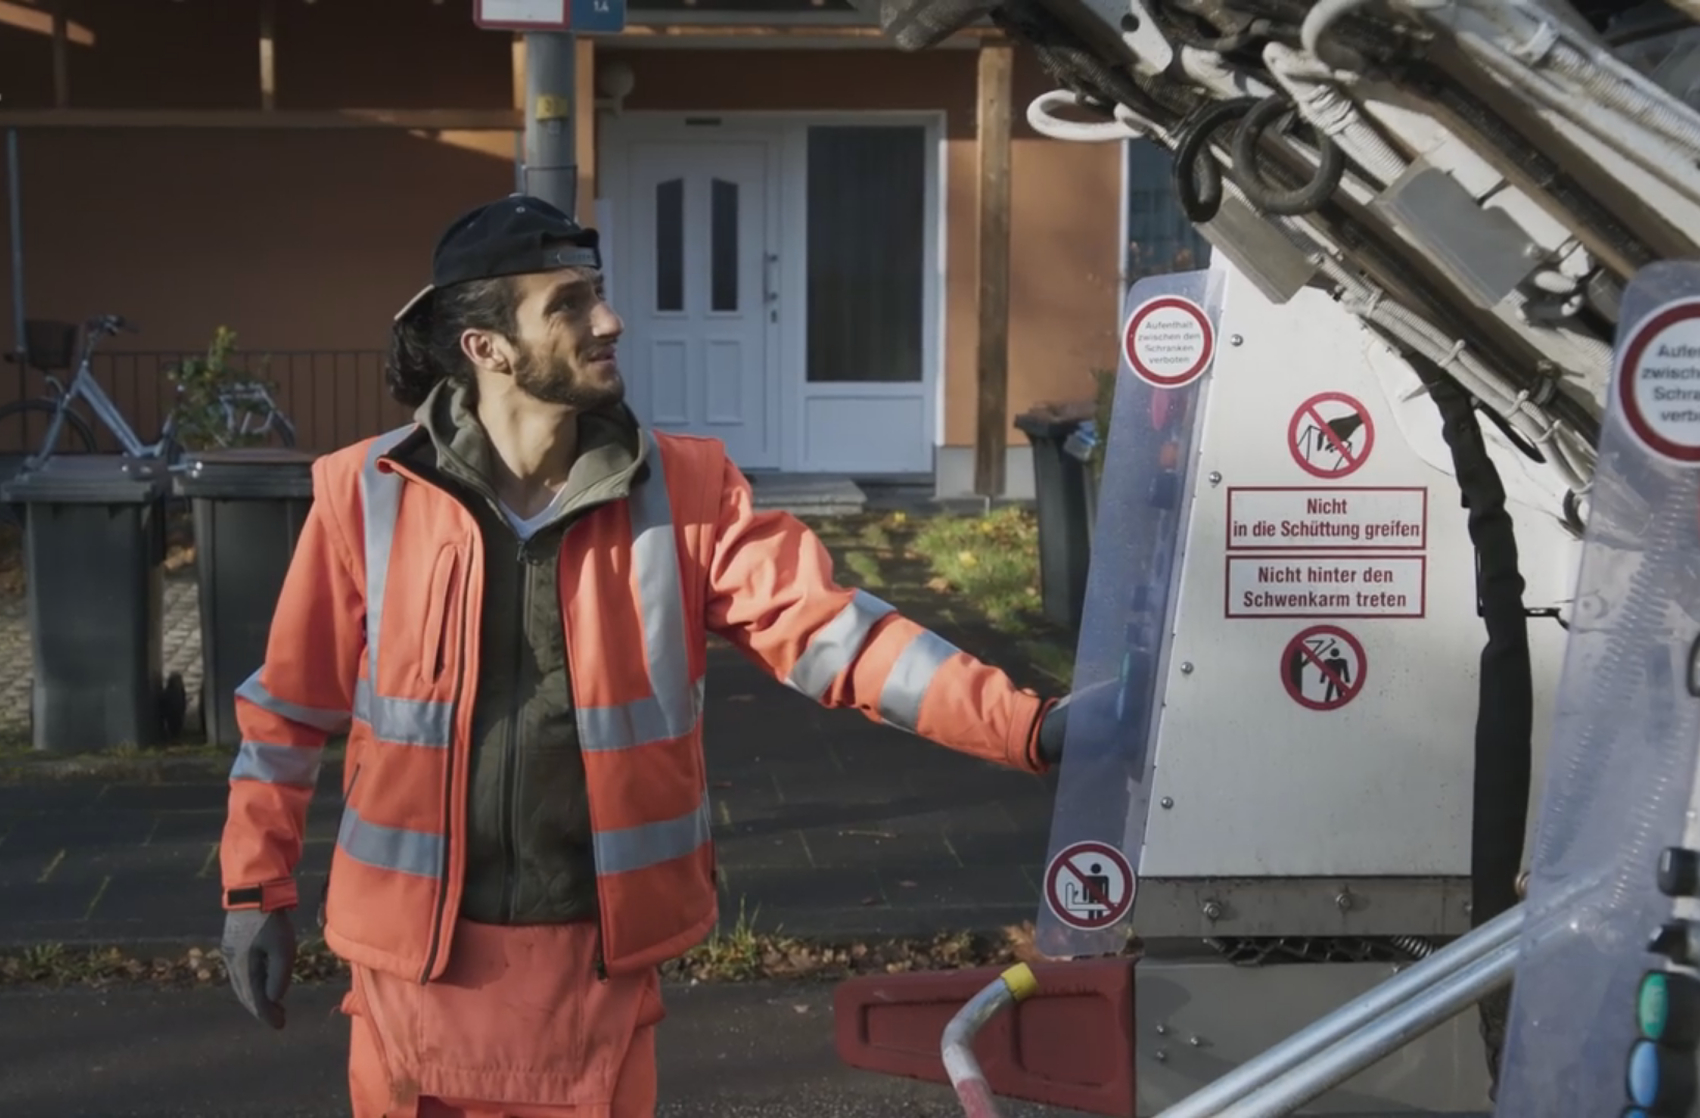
517, 235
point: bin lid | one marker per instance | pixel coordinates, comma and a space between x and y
1055, 420
89, 479
247, 473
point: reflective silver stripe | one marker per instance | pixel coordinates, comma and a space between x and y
294, 765
674, 702
836, 644
419, 853
636, 848
380, 497
326, 721
906, 686
404, 721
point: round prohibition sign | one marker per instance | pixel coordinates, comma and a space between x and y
1331, 435
1089, 885
1658, 387
1168, 341
1323, 668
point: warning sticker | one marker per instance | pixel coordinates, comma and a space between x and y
1331, 435
1323, 668
1343, 519
1089, 885
1168, 341
1390, 586
1658, 381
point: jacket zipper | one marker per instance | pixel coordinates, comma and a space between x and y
508, 816
449, 775
567, 659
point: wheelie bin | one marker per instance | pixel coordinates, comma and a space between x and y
1059, 490
248, 506
94, 553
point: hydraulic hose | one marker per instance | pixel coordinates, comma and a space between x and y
1198, 177
1302, 199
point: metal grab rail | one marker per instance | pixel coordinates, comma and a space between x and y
1016, 984
1359, 1014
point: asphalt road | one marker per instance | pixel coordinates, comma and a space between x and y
758, 1050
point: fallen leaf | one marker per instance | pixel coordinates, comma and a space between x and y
940, 584
801, 1008
967, 558
870, 901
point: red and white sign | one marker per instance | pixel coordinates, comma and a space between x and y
1323, 668
1358, 586
1089, 885
1658, 381
1333, 518
1331, 435
523, 15
1168, 341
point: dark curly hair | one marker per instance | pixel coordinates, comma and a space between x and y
425, 345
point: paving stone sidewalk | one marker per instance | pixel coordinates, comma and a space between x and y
826, 824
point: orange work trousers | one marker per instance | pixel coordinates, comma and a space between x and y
519, 1026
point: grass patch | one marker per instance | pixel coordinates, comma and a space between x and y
740, 954
974, 579
991, 560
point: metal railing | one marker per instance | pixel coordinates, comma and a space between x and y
334, 397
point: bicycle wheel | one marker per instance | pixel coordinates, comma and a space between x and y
23, 424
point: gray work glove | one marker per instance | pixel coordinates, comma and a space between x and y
1053, 731
259, 955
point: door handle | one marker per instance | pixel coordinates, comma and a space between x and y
769, 292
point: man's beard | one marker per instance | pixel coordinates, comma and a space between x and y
554, 383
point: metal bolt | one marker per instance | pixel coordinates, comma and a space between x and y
1212, 910
1215, 477
1162, 1030
1236, 339
1343, 901
1167, 801
1194, 1041
1468, 908
1161, 1056
1186, 667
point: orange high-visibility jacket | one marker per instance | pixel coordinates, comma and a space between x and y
376, 633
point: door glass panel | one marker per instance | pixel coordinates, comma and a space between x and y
723, 245
866, 233
670, 245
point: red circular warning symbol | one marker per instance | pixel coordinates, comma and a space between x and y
1658, 381
1323, 668
1331, 435
1168, 341
1089, 885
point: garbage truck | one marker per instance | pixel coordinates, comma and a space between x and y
1381, 782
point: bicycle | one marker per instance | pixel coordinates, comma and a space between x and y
238, 403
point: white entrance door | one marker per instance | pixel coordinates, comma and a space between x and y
695, 294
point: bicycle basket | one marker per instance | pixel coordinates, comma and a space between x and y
49, 346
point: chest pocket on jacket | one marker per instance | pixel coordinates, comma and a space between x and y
442, 614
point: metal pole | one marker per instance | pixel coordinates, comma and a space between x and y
1422, 1013
551, 169
14, 196
1357, 1014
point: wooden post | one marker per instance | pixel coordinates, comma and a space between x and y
61, 57
584, 129
993, 131
268, 64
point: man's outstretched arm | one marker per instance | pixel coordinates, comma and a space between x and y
771, 593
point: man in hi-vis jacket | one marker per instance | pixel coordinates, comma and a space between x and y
505, 604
